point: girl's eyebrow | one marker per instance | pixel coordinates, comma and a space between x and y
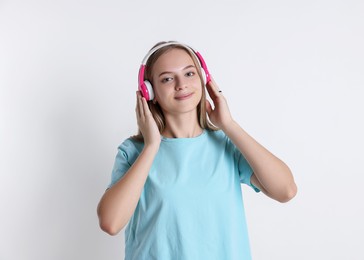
167, 72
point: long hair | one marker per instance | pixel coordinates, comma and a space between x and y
155, 108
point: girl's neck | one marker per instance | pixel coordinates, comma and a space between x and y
182, 126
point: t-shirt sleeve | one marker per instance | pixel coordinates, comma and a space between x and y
125, 157
245, 171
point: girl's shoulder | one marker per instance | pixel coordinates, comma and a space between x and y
217, 134
131, 145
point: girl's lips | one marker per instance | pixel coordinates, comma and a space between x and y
184, 96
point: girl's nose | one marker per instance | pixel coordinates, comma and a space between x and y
180, 83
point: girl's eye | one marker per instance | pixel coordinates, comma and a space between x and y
190, 74
165, 80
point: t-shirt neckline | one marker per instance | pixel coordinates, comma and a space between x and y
184, 139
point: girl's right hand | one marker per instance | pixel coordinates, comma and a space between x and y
147, 125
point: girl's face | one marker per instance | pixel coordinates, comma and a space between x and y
176, 83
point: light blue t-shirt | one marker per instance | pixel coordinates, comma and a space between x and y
191, 206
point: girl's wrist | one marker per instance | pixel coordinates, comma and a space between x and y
228, 125
153, 147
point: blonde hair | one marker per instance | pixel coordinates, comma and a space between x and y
155, 108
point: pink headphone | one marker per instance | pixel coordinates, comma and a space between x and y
145, 86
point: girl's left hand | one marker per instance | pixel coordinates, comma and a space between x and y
219, 115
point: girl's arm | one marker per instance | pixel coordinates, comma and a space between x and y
271, 175
118, 203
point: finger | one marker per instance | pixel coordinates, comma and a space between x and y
146, 110
208, 107
137, 105
216, 88
213, 89
140, 106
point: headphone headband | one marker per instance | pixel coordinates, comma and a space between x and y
156, 48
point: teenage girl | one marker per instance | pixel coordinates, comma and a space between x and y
177, 184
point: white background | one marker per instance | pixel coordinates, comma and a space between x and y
293, 74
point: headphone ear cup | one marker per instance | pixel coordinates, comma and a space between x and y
149, 88
203, 74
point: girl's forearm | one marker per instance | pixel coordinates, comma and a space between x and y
119, 202
272, 173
